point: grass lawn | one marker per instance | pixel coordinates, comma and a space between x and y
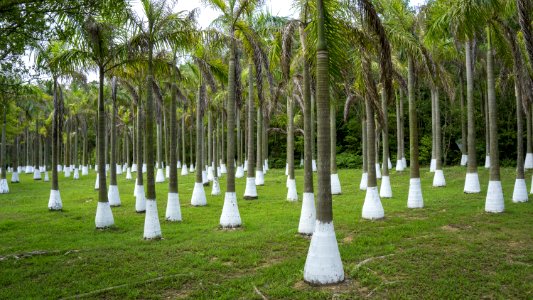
449, 249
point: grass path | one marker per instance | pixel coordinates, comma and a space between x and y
450, 249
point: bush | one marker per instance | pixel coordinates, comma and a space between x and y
349, 161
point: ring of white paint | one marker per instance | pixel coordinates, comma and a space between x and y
438, 179
404, 163
84, 171
184, 170
307, 215
487, 162
494, 200
415, 199
230, 217
464, 159
104, 216
385, 190
36, 174
173, 212
472, 183
292, 194
372, 207
128, 174
4, 187
313, 165
15, 177
378, 171
251, 189
152, 228
97, 182
140, 199
389, 164
134, 167
433, 165
54, 202
520, 191
159, 177
215, 189
46, 178
364, 181
144, 168
113, 196
323, 264
198, 195
286, 169
167, 171
204, 177
239, 173
76, 174
399, 166
528, 162
210, 174
259, 178
335, 184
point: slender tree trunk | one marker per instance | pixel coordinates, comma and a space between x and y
413, 124
173, 178
259, 157
239, 144
333, 132
463, 123
113, 158
385, 134
308, 127
371, 141
140, 154
492, 114
290, 137
102, 189
251, 121
199, 134
438, 132
472, 160
364, 141
230, 180
487, 124
183, 129
3, 161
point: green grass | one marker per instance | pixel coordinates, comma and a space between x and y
449, 249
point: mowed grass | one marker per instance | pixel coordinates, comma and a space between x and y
449, 249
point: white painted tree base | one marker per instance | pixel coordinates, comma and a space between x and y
46, 178
364, 182
140, 199
173, 212
191, 168
223, 169
76, 175
378, 171
19, 169
313, 165
404, 163
84, 171
167, 171
54, 202
335, 184
104, 216
204, 178
292, 193
152, 228
144, 168
184, 170
118, 169
239, 173
259, 178
134, 167
245, 166
415, 199
464, 159
250, 192
36, 174
323, 264
66, 172
487, 162
494, 200
307, 215
230, 217
28, 170
520, 191
528, 162
4, 187
433, 165
438, 179
399, 166
389, 164
198, 195
95, 168
215, 189
286, 169
15, 177
287, 181
266, 167
472, 184
372, 207
210, 173
385, 190
159, 177
128, 174
113, 196
178, 165
97, 182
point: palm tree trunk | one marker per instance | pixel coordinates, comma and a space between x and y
463, 123
385, 135
472, 160
333, 133
199, 136
413, 124
250, 192
140, 154
102, 190
113, 158
438, 133
259, 157
173, 178
371, 142
308, 126
290, 137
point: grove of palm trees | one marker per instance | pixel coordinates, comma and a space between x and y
253, 149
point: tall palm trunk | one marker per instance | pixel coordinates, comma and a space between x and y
485, 109
438, 179
183, 129
323, 264
259, 180
399, 137
292, 194
173, 162
463, 123
371, 153
414, 199
433, 134
251, 190
335, 182
385, 190
364, 178
472, 180
3, 161
199, 135
494, 201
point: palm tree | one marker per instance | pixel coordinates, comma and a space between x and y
113, 195
251, 190
494, 201
323, 264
